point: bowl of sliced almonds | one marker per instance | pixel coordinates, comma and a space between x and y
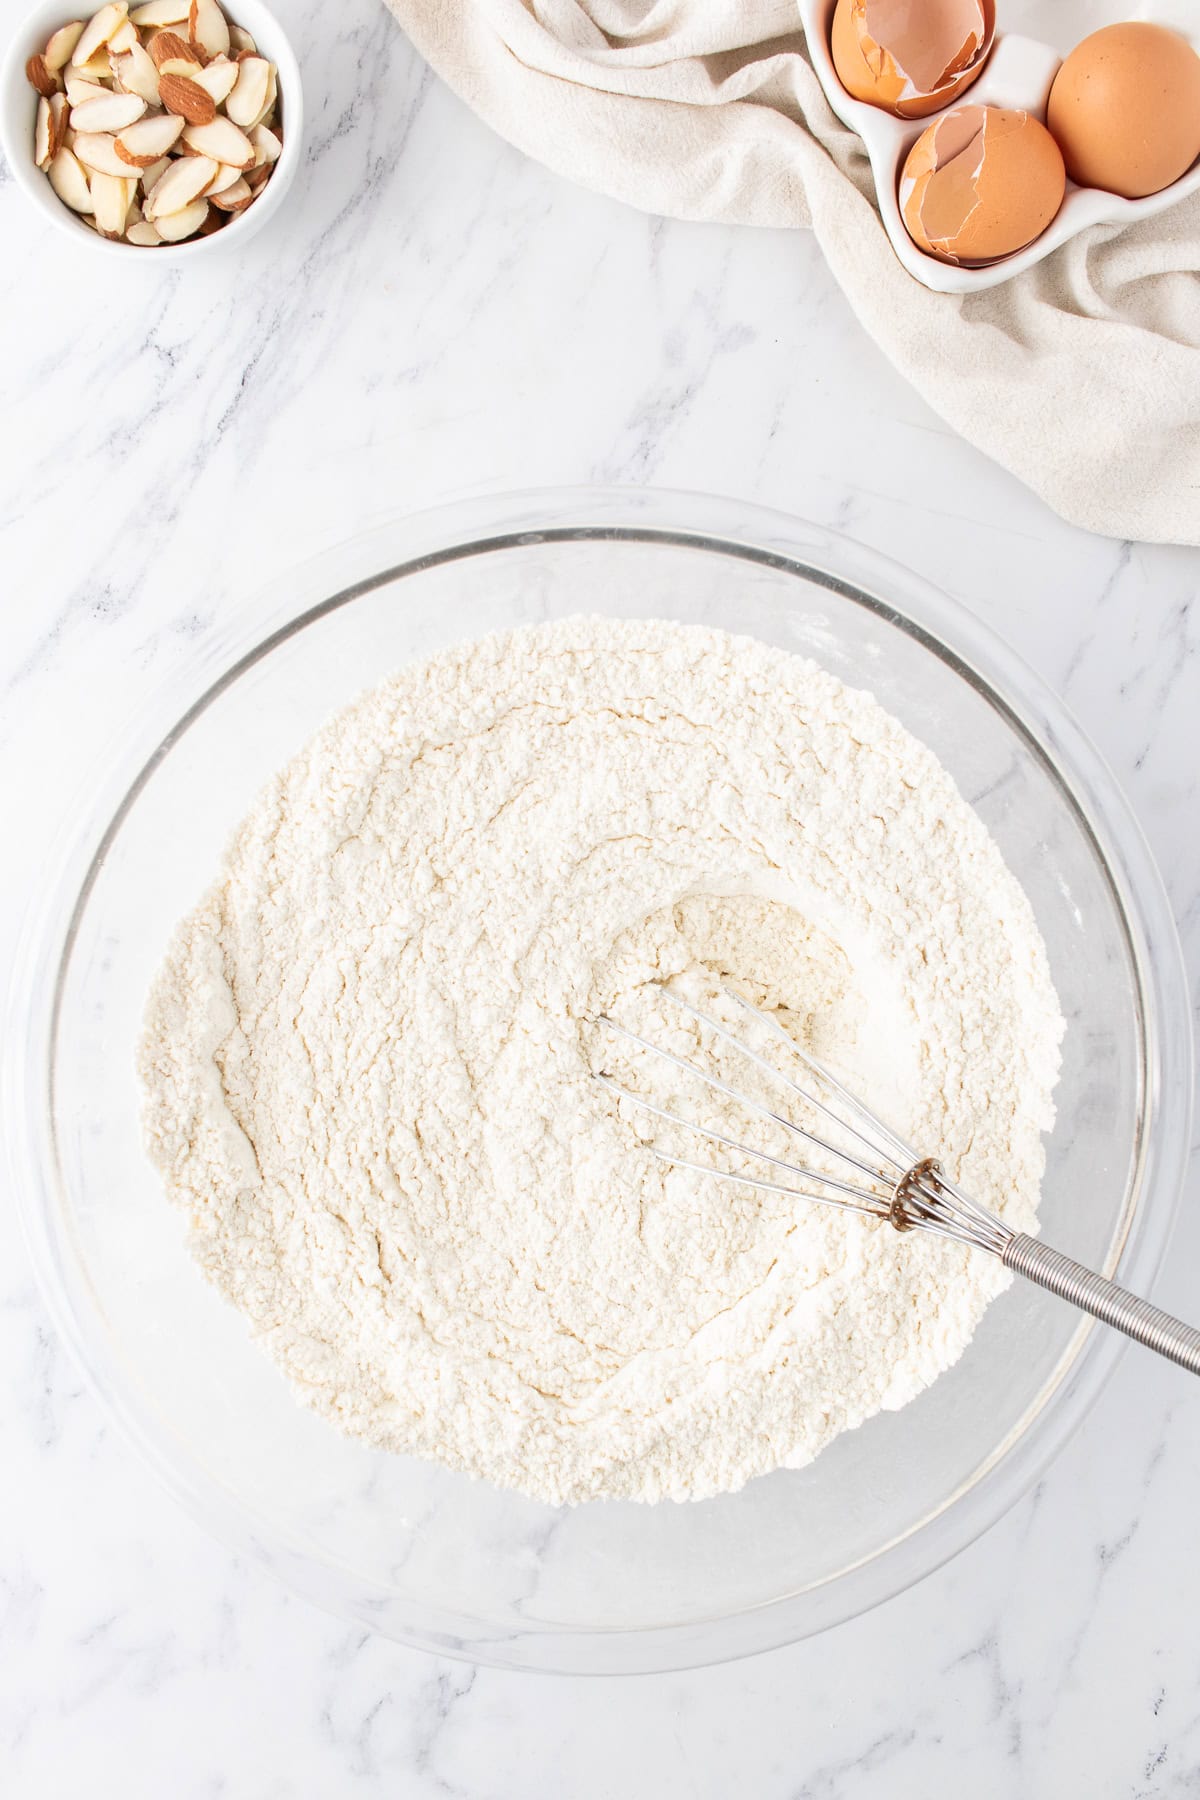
170, 126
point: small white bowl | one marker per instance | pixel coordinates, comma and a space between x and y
18, 113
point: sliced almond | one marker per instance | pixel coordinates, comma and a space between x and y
224, 178
182, 96
144, 144
175, 65
42, 153
245, 104
218, 79
161, 12
113, 113
111, 198
185, 180
208, 27
79, 90
174, 227
99, 151
59, 123
61, 48
123, 39
69, 179
241, 41
235, 198
132, 208
136, 74
258, 176
221, 140
100, 28
143, 232
155, 173
267, 147
50, 132
97, 68
168, 46
267, 115
39, 75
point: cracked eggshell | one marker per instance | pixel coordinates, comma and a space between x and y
981, 183
910, 60
1125, 109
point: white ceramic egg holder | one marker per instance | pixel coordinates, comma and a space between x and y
1019, 73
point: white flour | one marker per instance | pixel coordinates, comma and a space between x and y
369, 1058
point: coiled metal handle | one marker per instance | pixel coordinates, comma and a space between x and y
1106, 1301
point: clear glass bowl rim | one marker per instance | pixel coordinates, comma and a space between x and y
397, 548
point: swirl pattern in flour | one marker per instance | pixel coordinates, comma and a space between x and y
368, 1058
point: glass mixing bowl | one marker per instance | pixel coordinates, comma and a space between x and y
408, 1549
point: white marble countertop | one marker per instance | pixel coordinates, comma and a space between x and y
433, 316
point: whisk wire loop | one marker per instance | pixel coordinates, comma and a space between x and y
911, 1192
898, 1185
864, 1199
900, 1153
731, 1093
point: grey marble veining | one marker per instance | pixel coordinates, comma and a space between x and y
432, 316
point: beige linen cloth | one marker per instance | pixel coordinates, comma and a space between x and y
1082, 376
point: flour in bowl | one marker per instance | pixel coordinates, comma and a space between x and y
369, 1058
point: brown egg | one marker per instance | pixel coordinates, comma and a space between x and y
1125, 108
910, 59
981, 183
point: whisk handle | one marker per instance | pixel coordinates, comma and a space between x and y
1111, 1304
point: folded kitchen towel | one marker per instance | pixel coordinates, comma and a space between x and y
1082, 376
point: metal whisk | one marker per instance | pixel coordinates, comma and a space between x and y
885, 1178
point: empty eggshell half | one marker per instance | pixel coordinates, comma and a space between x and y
910, 59
981, 183
1125, 108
